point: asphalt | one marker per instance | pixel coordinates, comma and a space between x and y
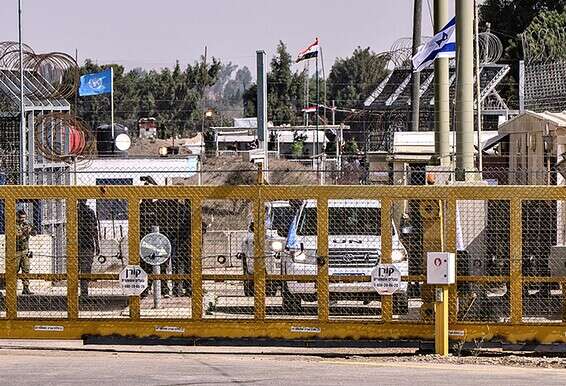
72, 363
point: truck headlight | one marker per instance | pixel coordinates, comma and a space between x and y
398, 255
277, 246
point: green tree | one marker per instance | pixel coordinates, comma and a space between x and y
352, 79
284, 91
545, 37
510, 18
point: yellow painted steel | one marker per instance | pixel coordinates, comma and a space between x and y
386, 250
441, 344
323, 295
515, 229
196, 257
259, 260
72, 260
11, 269
134, 247
517, 330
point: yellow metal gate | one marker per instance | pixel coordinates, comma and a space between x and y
509, 284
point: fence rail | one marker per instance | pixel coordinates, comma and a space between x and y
508, 240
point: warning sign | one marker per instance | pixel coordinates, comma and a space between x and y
133, 280
386, 279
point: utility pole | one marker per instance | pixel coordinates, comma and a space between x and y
465, 90
441, 91
204, 80
262, 134
22, 157
478, 85
416, 77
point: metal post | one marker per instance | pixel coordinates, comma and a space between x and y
441, 321
441, 91
465, 90
521, 86
112, 108
315, 148
416, 76
478, 87
156, 283
262, 134
22, 157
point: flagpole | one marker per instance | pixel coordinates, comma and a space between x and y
112, 106
317, 118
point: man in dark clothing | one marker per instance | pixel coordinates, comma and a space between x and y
23, 232
88, 241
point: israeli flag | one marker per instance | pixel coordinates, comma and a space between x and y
96, 84
442, 45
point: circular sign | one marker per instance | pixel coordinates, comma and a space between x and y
155, 248
122, 142
386, 279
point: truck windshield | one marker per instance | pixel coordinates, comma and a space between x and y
343, 221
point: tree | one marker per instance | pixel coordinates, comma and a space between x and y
352, 79
510, 18
284, 91
545, 37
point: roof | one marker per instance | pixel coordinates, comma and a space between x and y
394, 93
556, 119
37, 91
422, 142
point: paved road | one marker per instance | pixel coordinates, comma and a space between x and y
58, 367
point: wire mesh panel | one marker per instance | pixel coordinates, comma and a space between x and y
482, 240
224, 299
102, 233
2, 261
177, 305
41, 250
543, 261
354, 246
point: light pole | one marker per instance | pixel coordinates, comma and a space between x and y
22, 106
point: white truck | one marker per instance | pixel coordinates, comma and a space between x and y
354, 242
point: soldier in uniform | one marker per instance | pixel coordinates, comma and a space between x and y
23, 232
88, 241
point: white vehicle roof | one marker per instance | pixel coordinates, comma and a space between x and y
347, 204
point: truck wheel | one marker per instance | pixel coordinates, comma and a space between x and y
400, 304
291, 303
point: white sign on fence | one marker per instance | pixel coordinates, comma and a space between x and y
386, 279
133, 280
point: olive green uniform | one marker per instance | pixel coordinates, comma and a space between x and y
23, 232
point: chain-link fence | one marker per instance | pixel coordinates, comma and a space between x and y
300, 258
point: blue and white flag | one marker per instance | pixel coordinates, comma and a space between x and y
442, 45
292, 233
96, 84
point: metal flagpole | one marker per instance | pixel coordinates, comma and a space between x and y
22, 157
112, 106
315, 149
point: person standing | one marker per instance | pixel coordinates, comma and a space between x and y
88, 241
23, 232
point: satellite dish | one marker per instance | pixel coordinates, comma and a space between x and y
122, 142
155, 248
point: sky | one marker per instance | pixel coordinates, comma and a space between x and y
155, 34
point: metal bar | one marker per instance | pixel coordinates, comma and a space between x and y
11, 268
134, 247
259, 258
323, 295
196, 258
386, 251
450, 246
516, 261
72, 260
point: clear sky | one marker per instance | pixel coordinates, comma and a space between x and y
153, 34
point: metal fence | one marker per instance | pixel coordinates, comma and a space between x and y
283, 261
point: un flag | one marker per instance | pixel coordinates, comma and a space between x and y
96, 84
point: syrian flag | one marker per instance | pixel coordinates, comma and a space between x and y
442, 45
311, 109
309, 52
